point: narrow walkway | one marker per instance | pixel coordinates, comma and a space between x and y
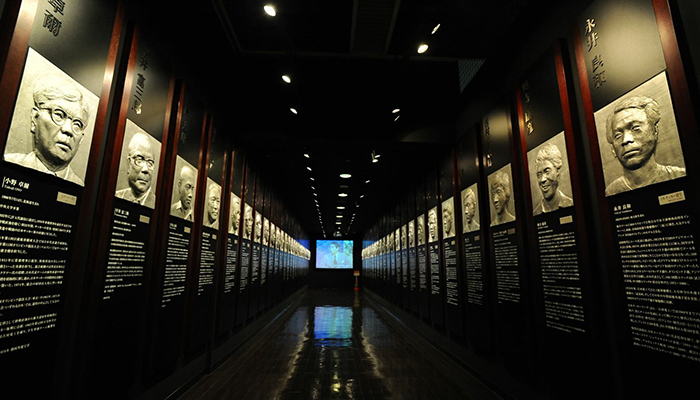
336, 346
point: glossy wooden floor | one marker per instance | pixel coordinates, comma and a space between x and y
336, 345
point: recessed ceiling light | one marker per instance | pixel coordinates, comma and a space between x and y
395, 110
313, 188
315, 194
397, 118
270, 10
293, 110
340, 208
312, 178
286, 78
345, 176
306, 155
375, 160
338, 223
342, 194
377, 155
362, 195
435, 29
422, 48
309, 168
344, 186
367, 181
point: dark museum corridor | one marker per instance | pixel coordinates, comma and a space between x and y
338, 344
349, 199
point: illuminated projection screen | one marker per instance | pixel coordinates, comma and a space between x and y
334, 254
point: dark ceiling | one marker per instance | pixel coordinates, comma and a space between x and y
351, 63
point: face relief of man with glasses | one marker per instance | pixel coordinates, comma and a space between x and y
58, 121
140, 165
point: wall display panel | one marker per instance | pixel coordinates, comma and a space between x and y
170, 328
422, 250
391, 255
643, 135
378, 260
285, 260
371, 265
246, 252
450, 245
230, 290
256, 258
473, 194
275, 252
388, 256
273, 210
379, 251
125, 248
412, 251
245, 260
209, 253
383, 265
277, 264
405, 272
281, 238
434, 257
265, 252
381, 262
396, 261
59, 67
507, 257
559, 250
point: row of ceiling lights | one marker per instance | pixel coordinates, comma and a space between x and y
375, 159
272, 12
423, 47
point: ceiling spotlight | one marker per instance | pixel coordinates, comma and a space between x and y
422, 48
313, 188
397, 118
375, 160
377, 155
341, 207
362, 195
270, 10
435, 29
342, 195
293, 110
367, 181
312, 178
345, 176
395, 110
286, 78
315, 194
338, 223
306, 155
309, 168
